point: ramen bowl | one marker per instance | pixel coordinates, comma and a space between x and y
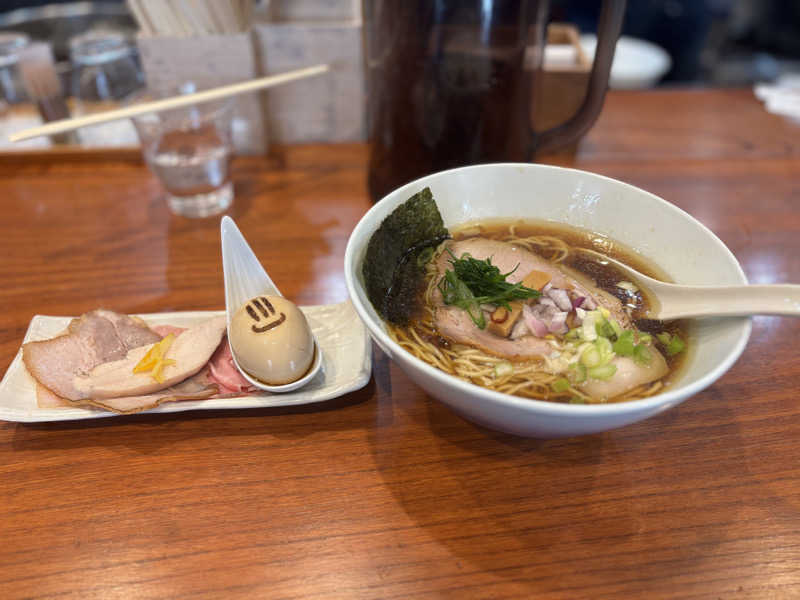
647, 224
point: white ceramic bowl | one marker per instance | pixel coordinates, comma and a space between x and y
688, 251
637, 64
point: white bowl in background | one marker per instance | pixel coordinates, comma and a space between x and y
637, 64
688, 251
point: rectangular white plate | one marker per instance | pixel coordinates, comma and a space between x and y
346, 366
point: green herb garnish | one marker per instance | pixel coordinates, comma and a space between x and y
672, 343
624, 345
559, 386
603, 372
641, 354
473, 282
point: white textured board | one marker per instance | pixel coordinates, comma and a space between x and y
327, 108
313, 10
209, 61
342, 337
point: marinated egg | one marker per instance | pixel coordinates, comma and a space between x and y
271, 340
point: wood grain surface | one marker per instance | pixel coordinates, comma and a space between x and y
384, 493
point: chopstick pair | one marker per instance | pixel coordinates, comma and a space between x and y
168, 103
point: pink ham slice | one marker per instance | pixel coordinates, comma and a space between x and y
224, 372
98, 336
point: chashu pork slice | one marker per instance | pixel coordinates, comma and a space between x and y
191, 351
629, 375
96, 337
197, 387
455, 324
510, 257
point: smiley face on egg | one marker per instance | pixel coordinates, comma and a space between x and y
272, 340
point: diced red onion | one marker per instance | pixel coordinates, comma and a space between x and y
577, 302
558, 324
543, 319
561, 298
536, 326
545, 301
589, 303
519, 329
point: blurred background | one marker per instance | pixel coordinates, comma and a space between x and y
107, 52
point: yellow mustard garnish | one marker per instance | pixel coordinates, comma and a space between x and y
155, 360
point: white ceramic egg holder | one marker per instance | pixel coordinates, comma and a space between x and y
246, 278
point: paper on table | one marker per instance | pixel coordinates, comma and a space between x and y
781, 97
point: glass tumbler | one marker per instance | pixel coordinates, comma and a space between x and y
11, 88
189, 150
105, 74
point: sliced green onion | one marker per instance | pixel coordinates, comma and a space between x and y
588, 327
604, 328
644, 338
605, 349
591, 357
603, 372
641, 354
624, 344
559, 386
676, 345
573, 334
577, 372
503, 368
616, 327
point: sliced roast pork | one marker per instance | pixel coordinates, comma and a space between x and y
510, 257
98, 336
456, 325
190, 352
629, 375
543, 317
197, 387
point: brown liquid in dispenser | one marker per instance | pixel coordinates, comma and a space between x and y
450, 83
446, 95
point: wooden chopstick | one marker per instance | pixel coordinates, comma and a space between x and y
167, 103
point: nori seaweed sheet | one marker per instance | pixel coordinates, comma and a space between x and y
392, 268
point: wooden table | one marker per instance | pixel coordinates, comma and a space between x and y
384, 493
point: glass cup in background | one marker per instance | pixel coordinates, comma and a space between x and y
105, 75
11, 88
189, 150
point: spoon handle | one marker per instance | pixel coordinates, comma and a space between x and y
729, 301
